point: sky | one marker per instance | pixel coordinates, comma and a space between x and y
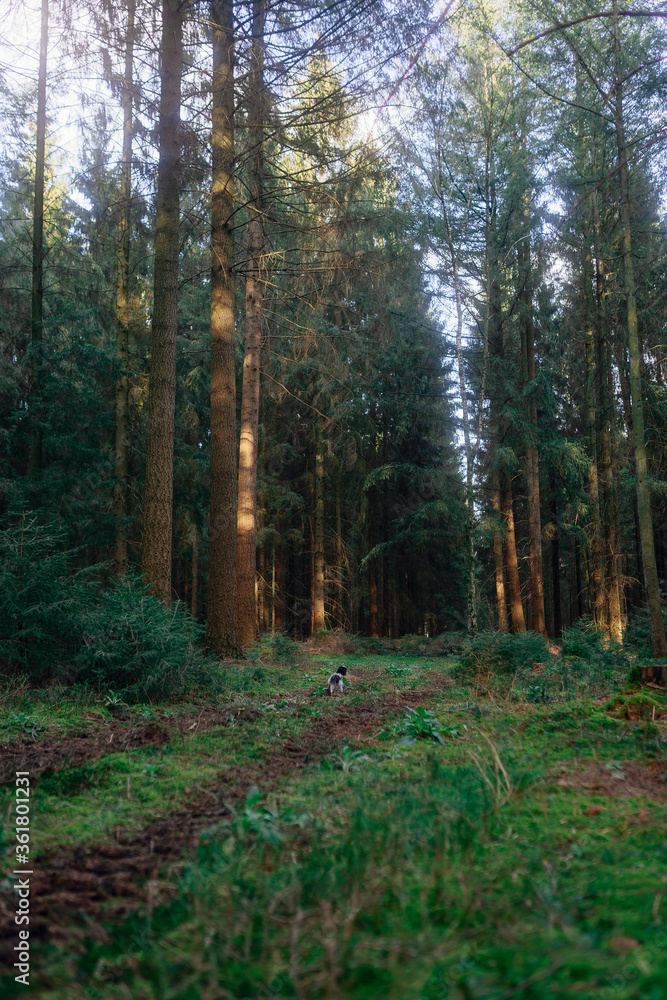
20, 22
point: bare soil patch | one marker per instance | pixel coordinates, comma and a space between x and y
617, 779
55, 752
76, 748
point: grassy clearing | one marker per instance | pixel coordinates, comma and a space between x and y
262, 705
488, 847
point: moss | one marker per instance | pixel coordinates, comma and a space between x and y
640, 706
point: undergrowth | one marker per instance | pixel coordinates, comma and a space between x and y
59, 624
442, 861
501, 652
448, 884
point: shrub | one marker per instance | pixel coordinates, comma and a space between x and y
447, 644
279, 648
334, 643
142, 649
637, 638
58, 623
501, 653
43, 601
583, 639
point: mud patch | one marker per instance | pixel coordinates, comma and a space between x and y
623, 779
74, 749
101, 737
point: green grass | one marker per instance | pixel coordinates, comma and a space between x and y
405, 869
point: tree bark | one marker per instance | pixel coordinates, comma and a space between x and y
37, 300
372, 572
261, 589
609, 494
194, 593
157, 540
555, 564
469, 498
576, 555
593, 376
221, 630
278, 598
339, 574
494, 344
651, 584
123, 312
501, 600
317, 620
532, 457
247, 500
517, 618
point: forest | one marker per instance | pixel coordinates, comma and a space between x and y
333, 499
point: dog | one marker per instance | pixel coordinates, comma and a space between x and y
335, 682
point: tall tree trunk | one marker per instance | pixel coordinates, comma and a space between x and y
532, 458
157, 541
221, 628
262, 617
247, 503
609, 493
123, 312
576, 555
278, 599
194, 593
624, 382
651, 584
501, 600
37, 301
317, 620
340, 589
555, 564
469, 498
517, 617
273, 583
593, 376
372, 571
494, 344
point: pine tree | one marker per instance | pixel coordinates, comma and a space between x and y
158, 503
222, 630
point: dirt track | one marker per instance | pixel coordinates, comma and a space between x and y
109, 878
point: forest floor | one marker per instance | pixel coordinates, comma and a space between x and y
415, 839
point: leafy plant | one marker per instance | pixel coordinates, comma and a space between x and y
146, 712
254, 817
421, 723
538, 693
26, 723
395, 671
113, 700
348, 759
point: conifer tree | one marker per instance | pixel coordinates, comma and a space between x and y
37, 318
222, 627
158, 503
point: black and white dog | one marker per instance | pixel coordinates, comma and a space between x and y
335, 682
